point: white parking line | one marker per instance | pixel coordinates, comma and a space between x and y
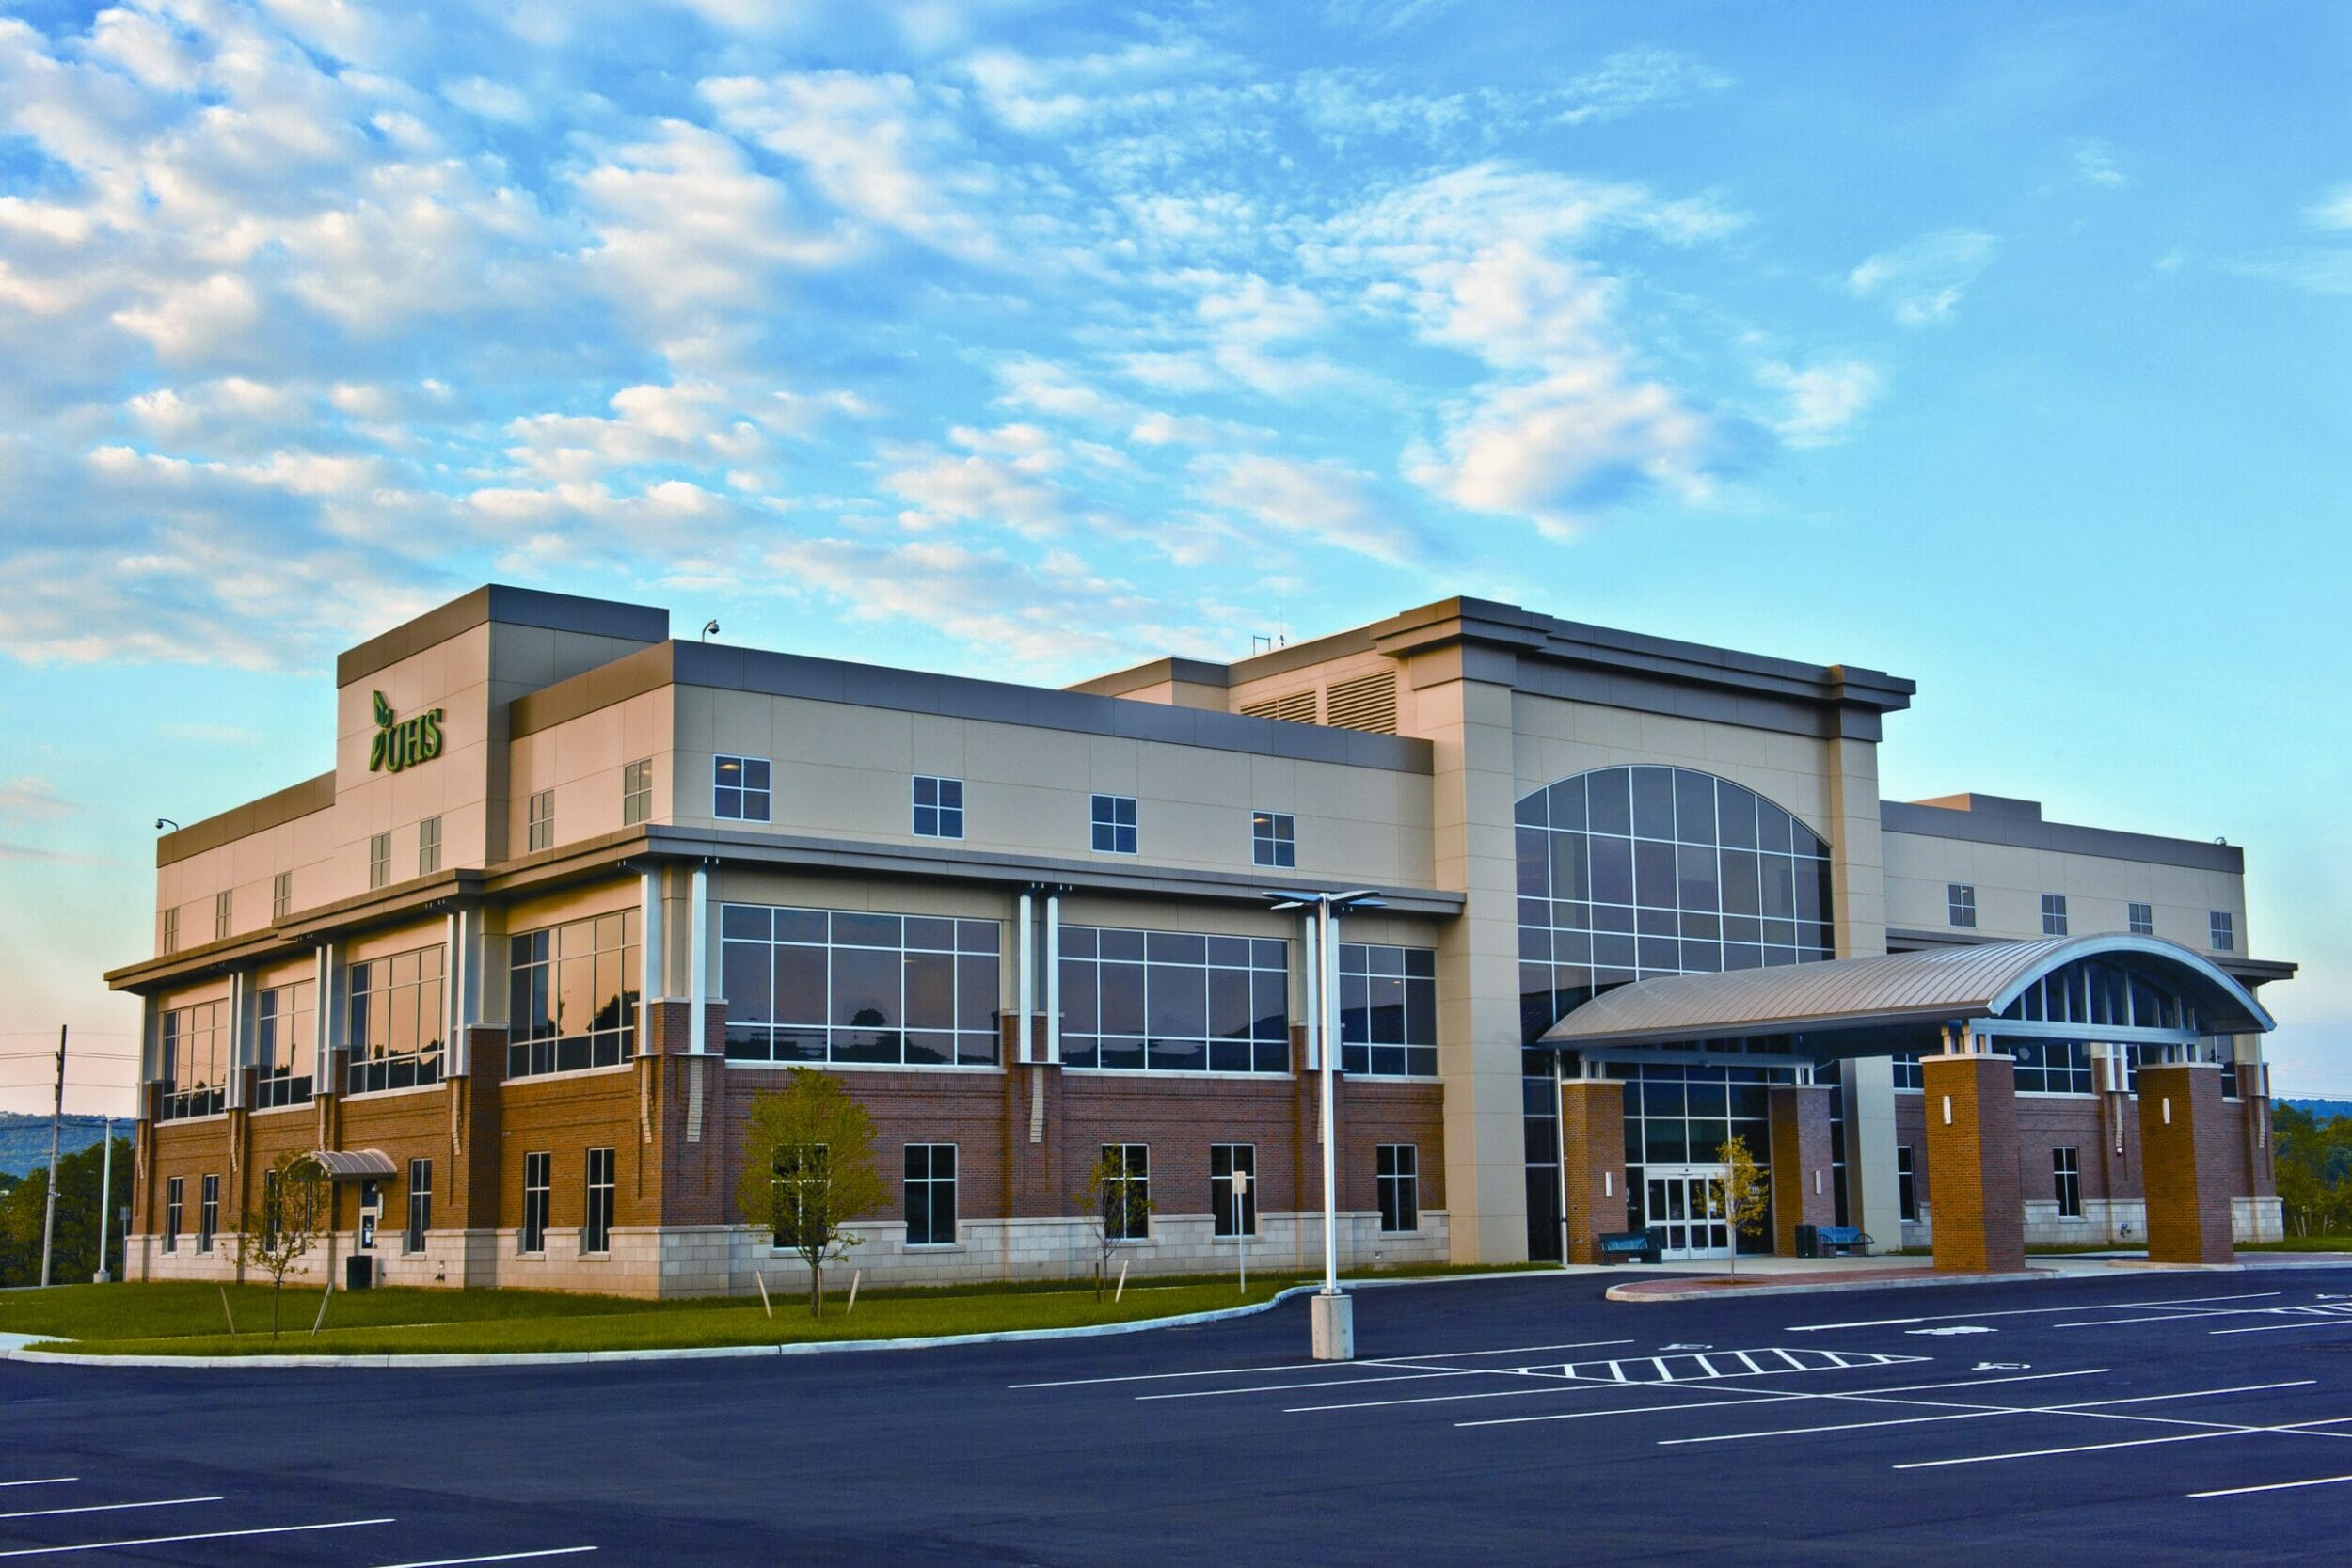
45, 1481
2306, 1427
108, 1507
2273, 1328
1977, 1413
1762, 1396
494, 1557
205, 1535
2273, 1486
1332, 1382
2026, 1312
1315, 1365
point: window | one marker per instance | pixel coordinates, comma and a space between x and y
597, 1235
285, 1044
280, 895
2141, 919
208, 1214
534, 1236
1960, 903
2222, 928
194, 1060
2051, 1067
2054, 914
739, 789
798, 1172
572, 995
1235, 1212
539, 822
938, 807
2066, 1176
1114, 818
637, 793
1273, 838
1398, 1173
419, 1206
428, 847
396, 1022
171, 930
844, 985
379, 859
1906, 1184
1388, 1010
930, 1171
1174, 1000
223, 903
1127, 1192
1907, 1074
173, 1192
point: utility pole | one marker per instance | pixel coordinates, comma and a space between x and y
57, 1115
105, 1197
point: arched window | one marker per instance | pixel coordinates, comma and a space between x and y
1628, 872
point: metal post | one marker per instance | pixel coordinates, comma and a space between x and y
57, 1115
105, 1195
1330, 1155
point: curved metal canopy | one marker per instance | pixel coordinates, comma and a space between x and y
354, 1165
1897, 993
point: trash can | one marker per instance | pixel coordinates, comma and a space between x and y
1808, 1240
359, 1271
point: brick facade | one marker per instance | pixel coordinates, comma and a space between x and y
1798, 1161
2192, 1170
1972, 1147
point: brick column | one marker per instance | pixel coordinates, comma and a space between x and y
1798, 1161
1592, 1162
2185, 1164
1972, 1158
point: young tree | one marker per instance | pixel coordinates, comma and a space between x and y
1742, 1193
290, 1219
1118, 1204
808, 1170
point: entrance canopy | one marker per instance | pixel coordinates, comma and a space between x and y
354, 1165
2118, 987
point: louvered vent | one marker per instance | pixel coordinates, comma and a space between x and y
1298, 707
1366, 702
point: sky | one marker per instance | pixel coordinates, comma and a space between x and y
2004, 347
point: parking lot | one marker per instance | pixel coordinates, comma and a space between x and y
2135, 1417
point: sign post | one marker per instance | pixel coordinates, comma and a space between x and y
1241, 1240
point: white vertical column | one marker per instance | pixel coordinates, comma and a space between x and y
1025, 990
240, 1035
327, 1019
456, 1060
650, 970
1052, 978
1311, 982
698, 944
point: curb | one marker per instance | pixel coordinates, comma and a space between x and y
27, 1350
1635, 1291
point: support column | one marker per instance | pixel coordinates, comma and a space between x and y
1592, 1162
1972, 1161
1800, 1161
2185, 1168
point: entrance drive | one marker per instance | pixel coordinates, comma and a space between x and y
1686, 1201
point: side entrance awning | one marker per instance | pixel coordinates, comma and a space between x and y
355, 1164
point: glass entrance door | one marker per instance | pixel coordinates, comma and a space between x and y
1686, 1202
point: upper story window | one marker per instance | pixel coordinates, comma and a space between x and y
539, 821
2221, 929
193, 1061
637, 793
739, 788
1114, 820
285, 1044
2054, 914
849, 986
2140, 919
223, 906
428, 847
938, 807
1388, 1010
1960, 903
396, 1022
379, 859
572, 995
280, 895
1273, 838
171, 930
1630, 872
1174, 1000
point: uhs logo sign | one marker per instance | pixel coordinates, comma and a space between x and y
403, 742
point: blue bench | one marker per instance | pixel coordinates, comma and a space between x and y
1842, 1239
1617, 1247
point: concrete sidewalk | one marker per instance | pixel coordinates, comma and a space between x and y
1821, 1275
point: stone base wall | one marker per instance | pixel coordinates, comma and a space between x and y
2113, 1222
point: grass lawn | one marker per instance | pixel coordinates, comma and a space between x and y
185, 1319
2301, 1243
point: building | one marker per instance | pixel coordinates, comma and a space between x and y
575, 891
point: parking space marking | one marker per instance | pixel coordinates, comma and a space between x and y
1332, 1382
107, 1507
2026, 1312
1313, 1365
1972, 1413
174, 1540
1662, 1368
2273, 1486
2209, 1431
43, 1480
1772, 1396
494, 1557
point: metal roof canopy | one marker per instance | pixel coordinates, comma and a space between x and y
354, 1165
1893, 1002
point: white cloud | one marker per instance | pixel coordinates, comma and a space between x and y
1822, 398
1325, 504
1636, 78
2333, 210
1923, 281
486, 100
189, 321
30, 795
2094, 165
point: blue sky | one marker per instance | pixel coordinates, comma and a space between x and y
2005, 348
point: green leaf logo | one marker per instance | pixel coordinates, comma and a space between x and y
383, 711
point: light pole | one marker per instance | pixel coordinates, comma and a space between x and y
1334, 1314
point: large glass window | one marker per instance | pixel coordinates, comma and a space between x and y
1906, 1184
1174, 1000
1396, 1173
1388, 1010
930, 1182
396, 1022
739, 788
175, 1191
208, 1215
419, 1206
2051, 1067
572, 995
194, 1060
285, 1044
1234, 1188
536, 1170
847, 986
1907, 1071
596, 1232
2066, 1179
1126, 1195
